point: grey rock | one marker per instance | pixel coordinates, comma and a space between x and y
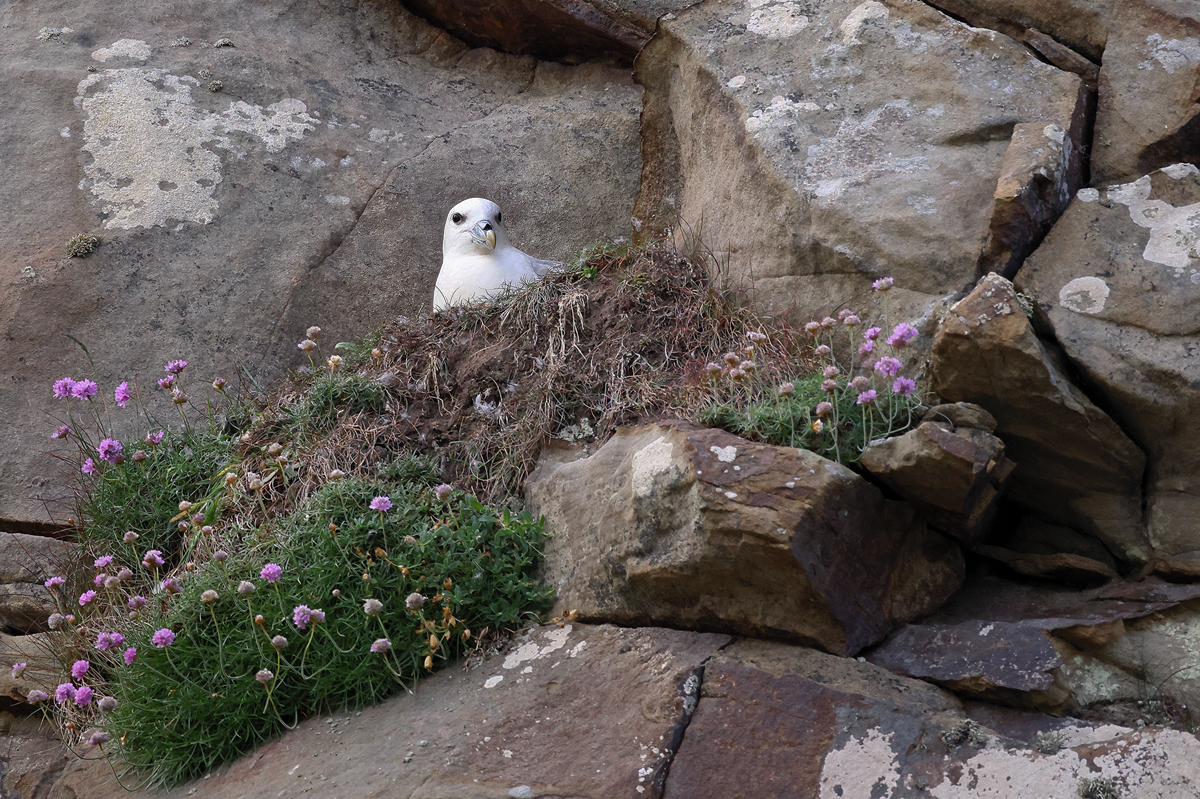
1116, 282
694, 528
810, 148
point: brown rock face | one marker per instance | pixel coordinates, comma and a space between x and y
1117, 282
815, 147
26, 561
1082, 25
1146, 116
1077, 467
670, 524
954, 475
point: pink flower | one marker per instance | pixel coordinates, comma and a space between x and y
84, 389
130, 655
443, 491
54, 582
122, 394
904, 386
61, 431
867, 397
99, 579
866, 348
824, 408
136, 602
271, 572
18, 669
106, 641
381, 504
63, 388
872, 333
859, 383
86, 597
110, 450
813, 327
166, 382
154, 438
903, 333
35, 696
103, 561
64, 692
829, 386
830, 372
888, 366
83, 696
152, 559
381, 645
88, 467
175, 367
303, 614
163, 638
80, 668
882, 284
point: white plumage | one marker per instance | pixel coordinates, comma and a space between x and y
477, 258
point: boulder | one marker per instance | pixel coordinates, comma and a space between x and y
1082, 25
580, 711
776, 721
1077, 466
220, 181
25, 563
1063, 567
1117, 282
812, 147
670, 524
954, 475
44, 669
1146, 116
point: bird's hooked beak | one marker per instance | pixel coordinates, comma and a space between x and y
483, 234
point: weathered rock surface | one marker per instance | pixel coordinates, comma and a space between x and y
25, 563
1019, 645
775, 721
815, 146
697, 528
953, 475
1147, 112
569, 711
1082, 25
1117, 283
44, 665
1063, 567
1077, 467
219, 206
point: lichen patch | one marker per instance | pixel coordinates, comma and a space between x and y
1084, 295
124, 48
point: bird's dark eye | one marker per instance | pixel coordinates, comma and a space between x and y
497, 216
456, 218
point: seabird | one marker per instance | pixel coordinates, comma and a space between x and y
477, 258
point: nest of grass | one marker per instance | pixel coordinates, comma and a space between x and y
618, 338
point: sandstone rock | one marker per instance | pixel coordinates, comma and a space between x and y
1117, 282
217, 211
1062, 567
561, 30
774, 721
589, 712
954, 476
812, 147
44, 670
25, 563
1077, 467
33, 760
962, 414
1037, 537
1146, 117
1082, 25
700, 529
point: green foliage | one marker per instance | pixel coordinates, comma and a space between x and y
335, 395
1098, 788
144, 497
188, 707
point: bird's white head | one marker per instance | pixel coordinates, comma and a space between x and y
474, 227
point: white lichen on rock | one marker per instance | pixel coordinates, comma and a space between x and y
150, 146
1174, 232
1084, 295
124, 48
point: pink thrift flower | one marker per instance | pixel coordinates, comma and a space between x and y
54, 582
381, 503
904, 386
859, 383
902, 334
175, 367
80, 668
271, 572
83, 696
824, 408
61, 431
813, 327
867, 397
63, 388
301, 615
872, 333
166, 382
35, 696
86, 597
888, 366
88, 467
136, 602
110, 450
99, 579
170, 586
882, 284
122, 394
443, 490
154, 438
130, 536
866, 348
64, 692
103, 561
381, 645
84, 389
163, 638
152, 559
130, 655
823, 350
106, 641
18, 669
829, 386
830, 372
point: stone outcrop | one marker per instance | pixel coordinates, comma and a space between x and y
26, 561
815, 147
953, 474
697, 528
1147, 112
1077, 466
1116, 282
223, 181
